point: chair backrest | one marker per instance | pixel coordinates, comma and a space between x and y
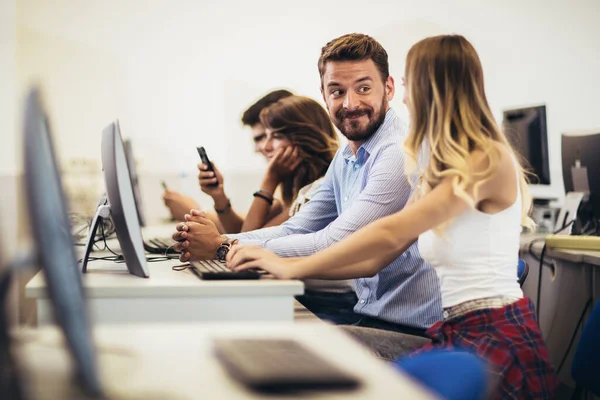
522, 271
454, 375
585, 368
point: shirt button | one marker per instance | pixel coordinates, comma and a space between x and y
346, 198
362, 301
355, 166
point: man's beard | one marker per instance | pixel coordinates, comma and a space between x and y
354, 132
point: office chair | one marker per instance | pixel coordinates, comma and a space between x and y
522, 271
585, 368
454, 375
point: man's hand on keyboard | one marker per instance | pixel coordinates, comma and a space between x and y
198, 238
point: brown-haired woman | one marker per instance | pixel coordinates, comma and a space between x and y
299, 146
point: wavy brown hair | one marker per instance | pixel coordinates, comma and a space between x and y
450, 115
306, 124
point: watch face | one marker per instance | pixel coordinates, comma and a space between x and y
222, 252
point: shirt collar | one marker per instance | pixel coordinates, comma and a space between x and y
373, 141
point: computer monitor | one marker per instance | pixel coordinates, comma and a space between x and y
526, 131
581, 169
134, 180
119, 204
54, 248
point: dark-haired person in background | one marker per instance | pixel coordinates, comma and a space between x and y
299, 143
251, 117
180, 204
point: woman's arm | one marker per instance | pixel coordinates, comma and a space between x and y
373, 247
279, 218
228, 218
179, 204
212, 183
262, 212
365, 252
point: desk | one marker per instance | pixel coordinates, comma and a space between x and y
115, 296
176, 362
565, 289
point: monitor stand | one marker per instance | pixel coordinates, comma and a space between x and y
102, 213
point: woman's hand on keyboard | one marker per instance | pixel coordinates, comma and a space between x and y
241, 258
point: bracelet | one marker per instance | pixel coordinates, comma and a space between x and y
224, 210
265, 198
266, 192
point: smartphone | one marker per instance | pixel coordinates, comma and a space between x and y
206, 161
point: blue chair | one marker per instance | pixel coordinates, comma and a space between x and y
454, 375
585, 368
522, 271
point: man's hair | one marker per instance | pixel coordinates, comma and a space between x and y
251, 116
355, 47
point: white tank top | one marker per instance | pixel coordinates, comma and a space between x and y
476, 254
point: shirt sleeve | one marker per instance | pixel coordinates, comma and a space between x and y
313, 216
386, 191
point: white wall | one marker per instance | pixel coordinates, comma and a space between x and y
9, 158
179, 73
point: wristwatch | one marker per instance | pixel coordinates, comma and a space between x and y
224, 249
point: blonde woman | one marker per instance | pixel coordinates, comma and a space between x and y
467, 211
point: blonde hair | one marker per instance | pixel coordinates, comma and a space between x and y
450, 115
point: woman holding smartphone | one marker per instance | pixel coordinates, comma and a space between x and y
470, 202
299, 146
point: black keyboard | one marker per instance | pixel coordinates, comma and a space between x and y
160, 245
215, 270
280, 365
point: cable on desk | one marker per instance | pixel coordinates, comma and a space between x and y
119, 258
534, 241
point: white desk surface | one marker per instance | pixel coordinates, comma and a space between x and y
109, 279
115, 296
176, 362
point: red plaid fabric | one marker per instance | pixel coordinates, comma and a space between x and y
509, 338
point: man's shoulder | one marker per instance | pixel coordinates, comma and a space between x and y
392, 146
393, 135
